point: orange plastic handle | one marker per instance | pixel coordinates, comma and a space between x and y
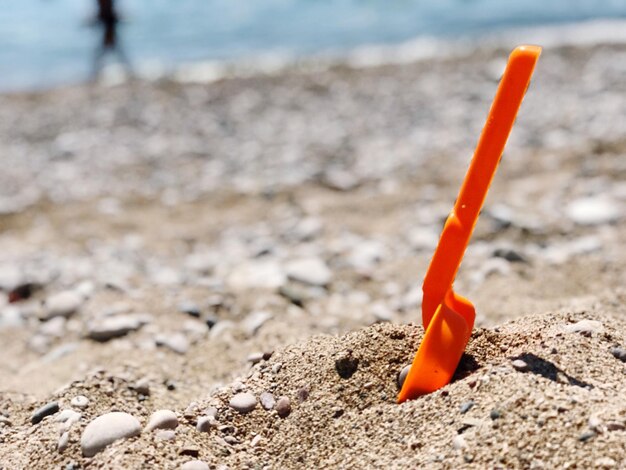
460, 224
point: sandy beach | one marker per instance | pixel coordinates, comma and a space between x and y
220, 252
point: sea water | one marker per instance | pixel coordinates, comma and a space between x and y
45, 43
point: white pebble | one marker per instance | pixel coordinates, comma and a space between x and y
243, 402
106, 429
162, 419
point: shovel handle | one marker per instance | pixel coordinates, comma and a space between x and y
461, 221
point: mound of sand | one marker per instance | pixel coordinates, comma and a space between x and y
564, 405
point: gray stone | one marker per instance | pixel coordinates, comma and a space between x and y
62, 304
402, 375
619, 353
267, 400
106, 429
113, 327
64, 440
466, 406
243, 402
519, 365
46, 410
194, 465
283, 407
312, 271
162, 419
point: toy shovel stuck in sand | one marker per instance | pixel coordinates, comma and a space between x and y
448, 318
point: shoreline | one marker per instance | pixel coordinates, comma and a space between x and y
578, 34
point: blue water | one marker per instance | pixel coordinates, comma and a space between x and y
47, 42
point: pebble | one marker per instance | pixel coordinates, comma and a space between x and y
312, 271
495, 414
190, 309
605, 462
206, 423
243, 402
194, 465
80, 401
339, 180
162, 419
257, 275
510, 255
267, 400
46, 410
255, 357
254, 321
584, 437
62, 304
106, 429
283, 407
458, 442
594, 210
466, 406
68, 416
64, 440
619, 353
114, 327
142, 387
519, 365
402, 375
303, 393
176, 342
585, 327
165, 435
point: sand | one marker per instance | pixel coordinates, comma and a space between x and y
180, 209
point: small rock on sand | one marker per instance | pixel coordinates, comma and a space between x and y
62, 304
46, 410
106, 429
206, 423
243, 402
162, 419
80, 401
619, 353
585, 327
283, 407
402, 375
267, 400
114, 327
176, 342
593, 210
519, 365
311, 271
194, 465
63, 441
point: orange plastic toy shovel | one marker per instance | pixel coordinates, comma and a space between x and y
448, 318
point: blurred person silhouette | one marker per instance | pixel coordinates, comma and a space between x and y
108, 19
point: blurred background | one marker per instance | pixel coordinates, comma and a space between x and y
49, 42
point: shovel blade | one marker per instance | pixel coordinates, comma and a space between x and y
439, 353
